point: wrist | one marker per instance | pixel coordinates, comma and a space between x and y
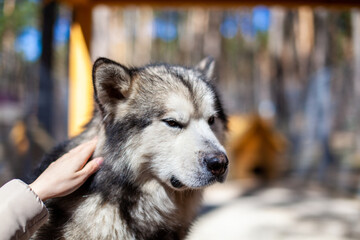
38, 191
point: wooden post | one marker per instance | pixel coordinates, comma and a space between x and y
45, 110
80, 82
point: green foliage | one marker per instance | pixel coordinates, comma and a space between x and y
25, 13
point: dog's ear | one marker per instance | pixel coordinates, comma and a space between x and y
207, 66
111, 83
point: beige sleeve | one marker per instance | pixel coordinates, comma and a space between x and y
21, 211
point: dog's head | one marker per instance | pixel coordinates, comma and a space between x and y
167, 120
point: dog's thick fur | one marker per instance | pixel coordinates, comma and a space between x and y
156, 126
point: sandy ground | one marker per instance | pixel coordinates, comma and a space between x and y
275, 213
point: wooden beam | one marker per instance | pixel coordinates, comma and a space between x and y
82, 15
219, 3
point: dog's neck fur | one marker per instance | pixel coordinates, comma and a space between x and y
132, 196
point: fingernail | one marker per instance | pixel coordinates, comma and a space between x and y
99, 161
93, 140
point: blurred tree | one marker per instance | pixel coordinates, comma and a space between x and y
18, 15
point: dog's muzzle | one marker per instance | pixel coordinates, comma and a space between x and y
217, 164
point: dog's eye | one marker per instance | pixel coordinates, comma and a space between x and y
211, 120
172, 123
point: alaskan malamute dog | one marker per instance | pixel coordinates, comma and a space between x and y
159, 129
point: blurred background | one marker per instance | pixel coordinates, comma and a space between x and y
288, 73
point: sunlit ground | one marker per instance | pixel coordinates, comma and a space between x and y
276, 213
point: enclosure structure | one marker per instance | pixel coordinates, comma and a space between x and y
82, 37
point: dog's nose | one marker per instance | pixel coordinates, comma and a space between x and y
216, 163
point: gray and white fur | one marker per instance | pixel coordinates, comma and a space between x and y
160, 130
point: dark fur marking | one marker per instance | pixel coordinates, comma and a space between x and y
220, 110
58, 217
164, 234
119, 189
189, 86
119, 132
218, 105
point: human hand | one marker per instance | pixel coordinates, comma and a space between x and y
68, 173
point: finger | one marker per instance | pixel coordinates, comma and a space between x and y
81, 146
84, 154
91, 167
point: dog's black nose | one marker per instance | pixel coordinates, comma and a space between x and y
216, 163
